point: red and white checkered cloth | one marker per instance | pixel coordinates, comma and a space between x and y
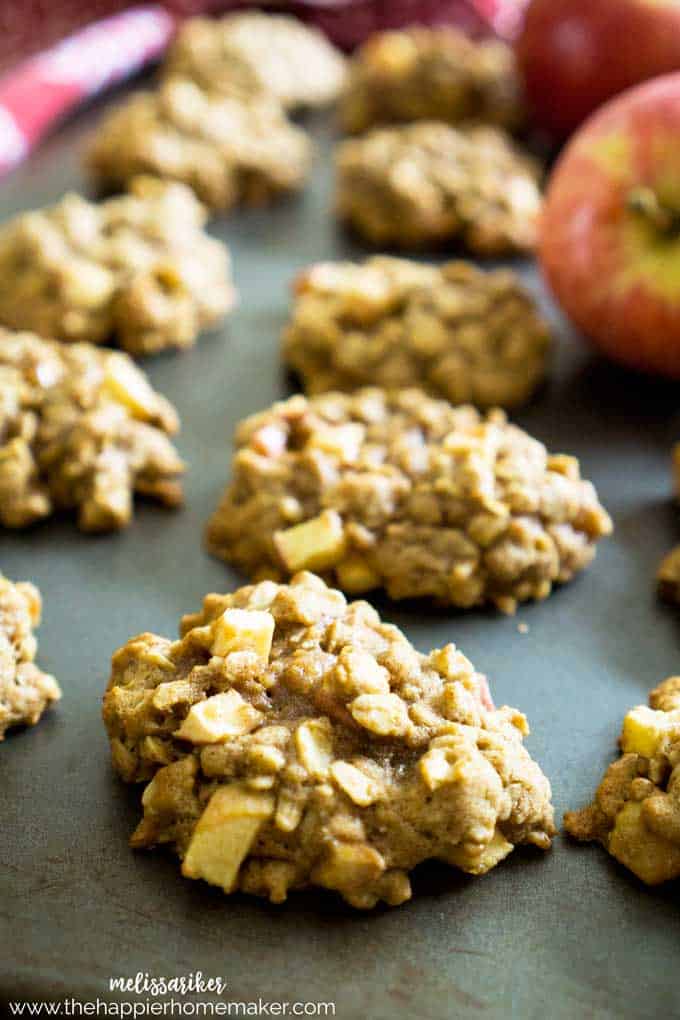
39, 92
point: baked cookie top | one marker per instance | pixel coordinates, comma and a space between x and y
427, 183
460, 333
275, 54
80, 429
138, 270
291, 739
25, 691
636, 811
231, 149
399, 491
431, 74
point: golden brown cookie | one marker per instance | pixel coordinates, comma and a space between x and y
231, 149
431, 74
429, 183
138, 271
262, 53
636, 811
460, 333
80, 429
399, 491
25, 691
290, 739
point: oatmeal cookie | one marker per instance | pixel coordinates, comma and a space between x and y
275, 54
138, 270
431, 74
25, 691
636, 811
461, 333
399, 491
230, 149
429, 183
290, 739
81, 429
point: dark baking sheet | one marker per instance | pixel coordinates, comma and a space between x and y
568, 934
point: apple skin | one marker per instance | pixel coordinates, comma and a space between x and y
615, 270
576, 54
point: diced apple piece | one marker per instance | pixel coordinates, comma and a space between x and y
240, 630
125, 384
435, 768
649, 856
382, 714
355, 576
644, 730
314, 746
349, 866
358, 786
88, 285
316, 544
478, 864
218, 718
225, 832
344, 441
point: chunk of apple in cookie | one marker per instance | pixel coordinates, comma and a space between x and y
224, 834
239, 630
644, 730
316, 544
126, 385
218, 719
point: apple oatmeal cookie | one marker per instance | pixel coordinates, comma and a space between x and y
276, 54
459, 332
139, 270
80, 429
25, 691
431, 74
427, 183
636, 811
399, 491
289, 739
231, 149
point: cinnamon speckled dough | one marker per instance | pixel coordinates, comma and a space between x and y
80, 429
461, 333
636, 811
429, 183
231, 149
399, 491
431, 74
138, 270
275, 54
290, 739
25, 691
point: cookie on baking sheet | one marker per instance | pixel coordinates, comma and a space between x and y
460, 333
25, 691
138, 270
290, 739
275, 54
636, 811
431, 74
429, 183
80, 429
231, 149
399, 491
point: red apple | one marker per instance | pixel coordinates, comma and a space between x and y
576, 54
609, 237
